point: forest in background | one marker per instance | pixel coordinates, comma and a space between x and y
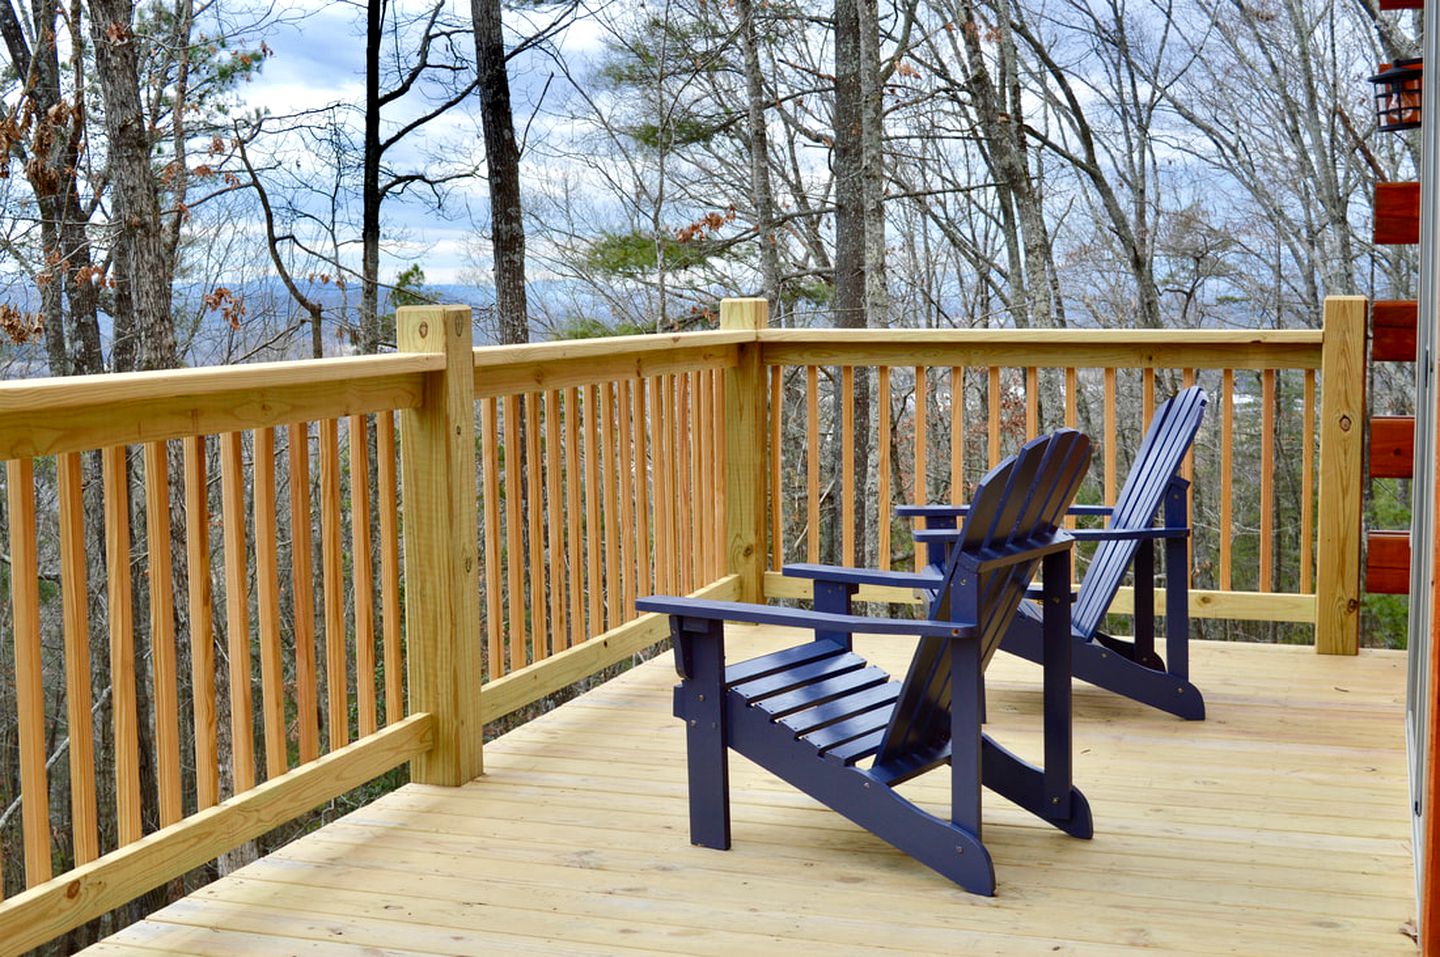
618, 168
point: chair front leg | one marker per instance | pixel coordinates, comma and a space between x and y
706, 728
1177, 582
1145, 603
835, 598
967, 687
1057, 682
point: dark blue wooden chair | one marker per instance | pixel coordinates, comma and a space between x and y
1130, 667
811, 714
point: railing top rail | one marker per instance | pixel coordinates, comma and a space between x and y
507, 370
54, 415
1082, 348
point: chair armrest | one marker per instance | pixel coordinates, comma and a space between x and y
1127, 534
798, 618
1037, 593
932, 511
860, 576
1091, 510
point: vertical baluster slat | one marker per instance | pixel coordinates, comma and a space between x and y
957, 435
573, 517
1147, 398
1307, 486
847, 458
1267, 480
812, 463
387, 488
1227, 432
686, 512
992, 416
777, 495
202, 635
645, 584
302, 592
704, 477
362, 584
594, 587
555, 516
535, 522
237, 610
882, 491
514, 547
717, 431
610, 488
1032, 402
267, 603
919, 490
1187, 472
29, 677
75, 597
1072, 412
336, 698
494, 592
162, 632
1111, 440
627, 504
664, 547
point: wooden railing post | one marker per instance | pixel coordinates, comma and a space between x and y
442, 593
745, 464
1342, 429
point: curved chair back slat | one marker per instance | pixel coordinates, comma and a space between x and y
1018, 505
1171, 433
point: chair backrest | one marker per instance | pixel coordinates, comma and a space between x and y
1171, 433
1019, 503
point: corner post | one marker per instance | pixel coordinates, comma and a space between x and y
1342, 430
746, 468
442, 593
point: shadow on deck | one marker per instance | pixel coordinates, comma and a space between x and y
1279, 825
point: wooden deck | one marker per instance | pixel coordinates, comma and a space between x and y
1277, 826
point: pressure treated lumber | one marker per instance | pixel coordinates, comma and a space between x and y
745, 472
442, 588
1342, 410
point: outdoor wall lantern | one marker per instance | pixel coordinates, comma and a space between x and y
1397, 95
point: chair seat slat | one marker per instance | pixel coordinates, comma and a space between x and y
813, 719
821, 691
758, 689
780, 660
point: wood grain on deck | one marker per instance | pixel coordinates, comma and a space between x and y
1279, 825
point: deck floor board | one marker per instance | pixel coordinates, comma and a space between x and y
1279, 825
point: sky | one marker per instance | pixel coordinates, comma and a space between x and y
319, 59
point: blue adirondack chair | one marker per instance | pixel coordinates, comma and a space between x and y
1128, 667
812, 713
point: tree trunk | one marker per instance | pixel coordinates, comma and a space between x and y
761, 195
146, 276
370, 182
502, 160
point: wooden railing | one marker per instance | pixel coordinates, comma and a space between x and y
541, 490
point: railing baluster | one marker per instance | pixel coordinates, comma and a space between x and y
514, 547
594, 587
1267, 479
1307, 487
920, 492
302, 584
162, 632
1147, 397
555, 518
1187, 471
1111, 458
494, 590
704, 484
882, 515
957, 435
267, 601
84, 816
847, 457
685, 515
237, 610
627, 503
29, 678
388, 487
1227, 434
331, 557
992, 417
202, 635
812, 463
777, 451
362, 584
535, 557
575, 542
614, 614
645, 584
722, 502
663, 491
1032, 402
